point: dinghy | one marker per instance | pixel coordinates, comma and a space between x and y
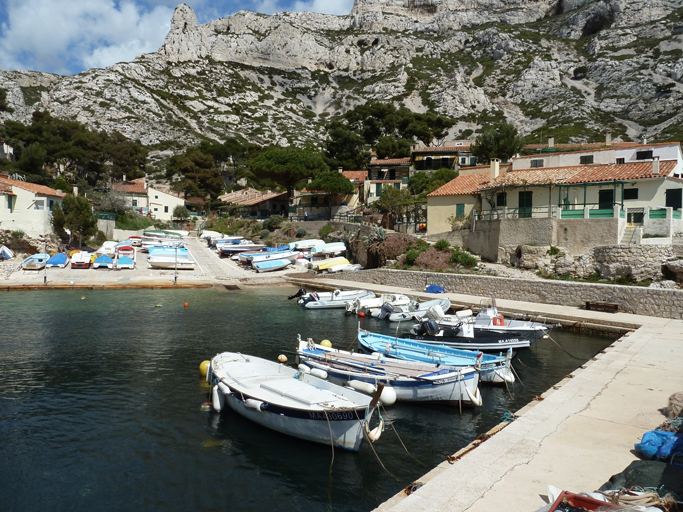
270, 265
367, 306
5, 253
324, 264
59, 260
81, 260
167, 261
412, 311
125, 262
292, 402
327, 300
333, 249
230, 248
494, 369
35, 262
280, 255
305, 245
103, 261
408, 381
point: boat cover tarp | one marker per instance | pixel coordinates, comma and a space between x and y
57, 260
5, 253
658, 444
435, 289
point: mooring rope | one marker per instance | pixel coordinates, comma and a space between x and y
641, 497
331, 438
365, 434
516, 374
399, 437
564, 349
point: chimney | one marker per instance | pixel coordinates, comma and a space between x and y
551, 141
608, 138
75, 190
495, 168
655, 165
340, 169
124, 177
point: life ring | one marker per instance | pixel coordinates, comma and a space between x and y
498, 320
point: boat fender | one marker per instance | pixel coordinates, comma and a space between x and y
224, 389
304, 368
317, 372
476, 398
254, 405
375, 433
216, 399
388, 396
363, 387
209, 373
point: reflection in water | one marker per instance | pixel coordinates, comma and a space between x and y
99, 406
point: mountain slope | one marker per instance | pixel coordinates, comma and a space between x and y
570, 67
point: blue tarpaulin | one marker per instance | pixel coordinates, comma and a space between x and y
435, 289
660, 445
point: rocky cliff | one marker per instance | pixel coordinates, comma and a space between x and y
570, 67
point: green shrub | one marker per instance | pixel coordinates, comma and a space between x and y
553, 251
18, 234
256, 228
100, 237
463, 258
273, 222
442, 245
411, 256
265, 233
301, 232
325, 231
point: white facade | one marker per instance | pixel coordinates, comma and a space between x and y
162, 204
26, 210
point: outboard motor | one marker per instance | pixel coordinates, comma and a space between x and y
432, 327
386, 310
300, 293
312, 297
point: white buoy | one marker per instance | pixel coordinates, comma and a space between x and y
388, 396
317, 372
363, 387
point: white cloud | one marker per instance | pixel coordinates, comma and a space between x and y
339, 7
66, 36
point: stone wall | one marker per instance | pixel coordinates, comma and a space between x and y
657, 302
639, 262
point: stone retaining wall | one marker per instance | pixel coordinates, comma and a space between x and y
664, 303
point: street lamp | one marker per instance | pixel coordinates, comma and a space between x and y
175, 273
45, 276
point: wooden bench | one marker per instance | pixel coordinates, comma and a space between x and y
601, 305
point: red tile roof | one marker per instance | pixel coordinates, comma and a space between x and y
573, 175
356, 176
6, 189
462, 185
577, 146
130, 187
249, 196
32, 187
443, 149
391, 161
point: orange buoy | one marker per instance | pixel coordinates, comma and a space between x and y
187, 304
361, 314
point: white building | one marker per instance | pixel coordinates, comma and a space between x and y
26, 206
162, 204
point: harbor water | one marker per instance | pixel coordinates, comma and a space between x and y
100, 396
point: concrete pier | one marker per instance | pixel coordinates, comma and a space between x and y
576, 437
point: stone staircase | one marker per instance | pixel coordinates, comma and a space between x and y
629, 236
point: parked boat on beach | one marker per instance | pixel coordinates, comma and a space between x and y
125, 262
103, 261
59, 260
326, 263
270, 265
5, 253
409, 381
80, 259
345, 267
493, 369
328, 300
168, 261
331, 249
35, 262
276, 255
292, 402
306, 245
228, 249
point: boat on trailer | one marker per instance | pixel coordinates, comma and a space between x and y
408, 381
493, 369
291, 401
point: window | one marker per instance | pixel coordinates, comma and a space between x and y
586, 159
630, 193
620, 161
429, 163
314, 201
135, 202
644, 155
9, 202
156, 197
460, 211
463, 160
392, 174
39, 205
156, 209
501, 199
165, 209
51, 204
536, 163
445, 162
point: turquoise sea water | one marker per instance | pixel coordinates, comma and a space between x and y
100, 406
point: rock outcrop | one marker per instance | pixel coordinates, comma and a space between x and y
573, 67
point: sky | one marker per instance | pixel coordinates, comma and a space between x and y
70, 36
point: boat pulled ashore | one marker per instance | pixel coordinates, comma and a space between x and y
270, 265
81, 259
35, 262
409, 381
59, 260
493, 369
168, 261
291, 401
327, 300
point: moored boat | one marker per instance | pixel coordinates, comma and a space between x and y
327, 300
412, 311
292, 402
494, 369
408, 381
368, 305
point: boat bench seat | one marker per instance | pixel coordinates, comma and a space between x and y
292, 389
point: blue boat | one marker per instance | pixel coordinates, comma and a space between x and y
496, 369
103, 261
60, 260
125, 262
270, 265
277, 249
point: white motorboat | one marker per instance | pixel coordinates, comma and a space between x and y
108, 248
327, 300
149, 242
292, 402
171, 262
409, 381
412, 311
368, 305
305, 245
331, 249
280, 255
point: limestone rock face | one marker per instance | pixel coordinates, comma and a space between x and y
582, 66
